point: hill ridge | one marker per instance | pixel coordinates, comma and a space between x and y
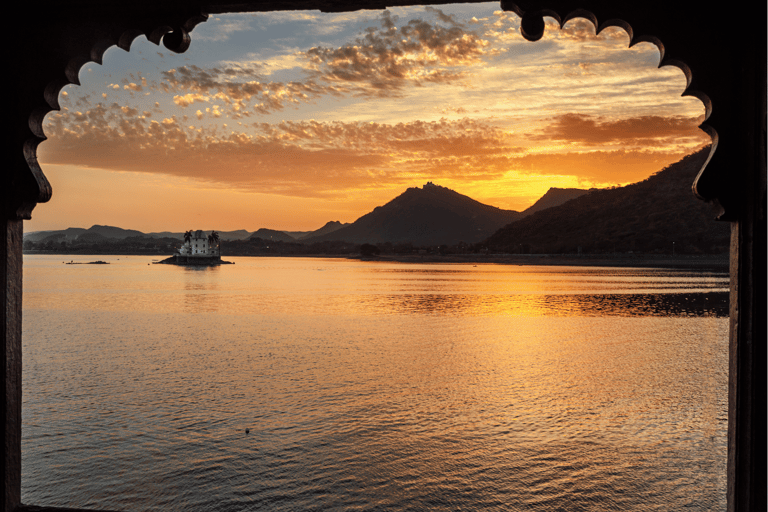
657, 215
427, 215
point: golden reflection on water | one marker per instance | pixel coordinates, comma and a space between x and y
201, 290
528, 387
320, 287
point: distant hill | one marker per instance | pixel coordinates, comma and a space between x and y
113, 232
92, 236
645, 217
329, 227
272, 234
554, 197
93, 233
240, 234
69, 234
430, 215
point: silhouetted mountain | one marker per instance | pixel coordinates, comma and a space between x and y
329, 227
113, 232
271, 234
239, 234
431, 215
92, 236
554, 197
69, 234
651, 216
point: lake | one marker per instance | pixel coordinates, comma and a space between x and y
335, 384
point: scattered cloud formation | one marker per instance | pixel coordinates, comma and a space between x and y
238, 88
453, 95
606, 168
387, 58
382, 62
640, 131
312, 158
294, 158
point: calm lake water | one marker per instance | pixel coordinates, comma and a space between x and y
372, 386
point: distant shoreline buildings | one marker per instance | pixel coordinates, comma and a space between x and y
198, 249
197, 244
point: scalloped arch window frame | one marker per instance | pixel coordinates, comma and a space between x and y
745, 256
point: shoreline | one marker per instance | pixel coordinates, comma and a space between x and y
701, 262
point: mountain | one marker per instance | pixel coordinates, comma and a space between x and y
554, 197
71, 234
329, 227
113, 232
271, 234
39, 236
430, 215
240, 234
651, 216
92, 236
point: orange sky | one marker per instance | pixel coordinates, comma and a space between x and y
289, 120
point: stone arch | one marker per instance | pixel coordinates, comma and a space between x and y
721, 51
172, 28
532, 28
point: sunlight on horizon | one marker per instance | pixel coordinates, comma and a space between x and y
288, 120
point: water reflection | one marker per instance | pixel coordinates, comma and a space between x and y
702, 304
411, 387
630, 304
297, 286
201, 289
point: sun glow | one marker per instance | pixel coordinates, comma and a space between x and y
349, 110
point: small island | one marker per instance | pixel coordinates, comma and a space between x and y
198, 250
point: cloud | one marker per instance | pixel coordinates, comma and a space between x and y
599, 167
221, 28
307, 158
638, 131
237, 87
524, 95
578, 30
386, 59
188, 99
316, 158
136, 87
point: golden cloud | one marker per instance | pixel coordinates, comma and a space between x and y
311, 157
648, 130
188, 99
226, 85
386, 59
600, 167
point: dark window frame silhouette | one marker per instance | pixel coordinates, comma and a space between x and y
720, 49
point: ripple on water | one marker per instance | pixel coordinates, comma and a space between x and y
467, 392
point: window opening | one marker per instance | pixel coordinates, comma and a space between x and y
396, 59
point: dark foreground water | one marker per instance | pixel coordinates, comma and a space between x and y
372, 386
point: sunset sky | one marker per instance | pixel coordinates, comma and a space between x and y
288, 120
